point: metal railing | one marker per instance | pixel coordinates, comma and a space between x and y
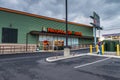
21, 48
16, 48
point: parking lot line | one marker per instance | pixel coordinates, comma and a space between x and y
92, 63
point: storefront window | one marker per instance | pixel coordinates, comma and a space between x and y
56, 42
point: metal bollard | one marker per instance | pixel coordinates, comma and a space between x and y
118, 50
91, 49
96, 48
103, 50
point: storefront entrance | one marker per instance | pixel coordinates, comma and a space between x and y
55, 42
51, 45
52, 41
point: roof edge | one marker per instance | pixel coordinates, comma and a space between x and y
39, 16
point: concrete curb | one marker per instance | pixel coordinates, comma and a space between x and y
57, 58
113, 56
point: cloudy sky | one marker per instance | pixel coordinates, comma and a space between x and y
78, 10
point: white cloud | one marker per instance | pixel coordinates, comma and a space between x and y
114, 22
82, 19
78, 10
13, 1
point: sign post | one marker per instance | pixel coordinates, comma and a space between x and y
96, 25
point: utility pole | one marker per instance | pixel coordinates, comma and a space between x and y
66, 22
66, 49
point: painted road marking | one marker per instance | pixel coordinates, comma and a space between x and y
92, 63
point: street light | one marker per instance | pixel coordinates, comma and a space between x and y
66, 50
66, 22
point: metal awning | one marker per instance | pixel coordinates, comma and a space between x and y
54, 34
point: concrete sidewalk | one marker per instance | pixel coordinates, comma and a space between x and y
57, 58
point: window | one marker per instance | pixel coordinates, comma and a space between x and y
9, 35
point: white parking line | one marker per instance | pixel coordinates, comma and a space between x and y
92, 63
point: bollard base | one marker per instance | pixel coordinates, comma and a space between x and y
66, 52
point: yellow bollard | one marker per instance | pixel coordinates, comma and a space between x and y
118, 50
91, 49
96, 48
103, 50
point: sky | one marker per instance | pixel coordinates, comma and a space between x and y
78, 11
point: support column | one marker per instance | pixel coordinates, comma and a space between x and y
94, 33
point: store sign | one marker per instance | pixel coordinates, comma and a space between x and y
78, 33
55, 31
51, 30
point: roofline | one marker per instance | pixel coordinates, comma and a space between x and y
114, 34
39, 16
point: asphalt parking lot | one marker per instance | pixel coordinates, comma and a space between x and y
80, 68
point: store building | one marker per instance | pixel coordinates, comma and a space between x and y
22, 28
115, 36
111, 41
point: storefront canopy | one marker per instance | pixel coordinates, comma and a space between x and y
54, 34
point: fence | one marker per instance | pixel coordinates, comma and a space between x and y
21, 48
79, 46
16, 48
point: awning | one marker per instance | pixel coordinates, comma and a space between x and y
54, 34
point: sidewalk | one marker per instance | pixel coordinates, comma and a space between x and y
105, 55
57, 58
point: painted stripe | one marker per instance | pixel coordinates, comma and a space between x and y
92, 63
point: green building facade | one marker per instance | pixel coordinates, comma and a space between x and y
25, 23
